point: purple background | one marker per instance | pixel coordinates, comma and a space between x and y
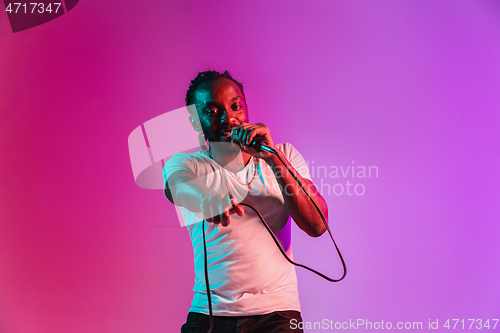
411, 87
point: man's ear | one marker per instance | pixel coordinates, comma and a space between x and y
195, 123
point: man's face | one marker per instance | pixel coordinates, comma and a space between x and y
221, 107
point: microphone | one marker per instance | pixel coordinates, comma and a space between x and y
259, 143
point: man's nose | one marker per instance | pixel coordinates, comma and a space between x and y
228, 116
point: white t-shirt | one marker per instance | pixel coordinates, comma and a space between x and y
248, 274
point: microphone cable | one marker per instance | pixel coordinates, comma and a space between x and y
271, 150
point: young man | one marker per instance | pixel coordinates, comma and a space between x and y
253, 287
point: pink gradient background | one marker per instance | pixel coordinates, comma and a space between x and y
412, 87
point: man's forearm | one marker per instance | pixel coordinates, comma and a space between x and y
186, 190
297, 202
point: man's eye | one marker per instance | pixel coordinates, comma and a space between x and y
236, 107
212, 112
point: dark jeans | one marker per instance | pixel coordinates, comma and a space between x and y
274, 322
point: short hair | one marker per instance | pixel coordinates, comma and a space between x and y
208, 76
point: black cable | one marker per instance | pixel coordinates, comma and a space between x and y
322, 217
276, 241
206, 280
290, 260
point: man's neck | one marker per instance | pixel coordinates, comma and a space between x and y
231, 158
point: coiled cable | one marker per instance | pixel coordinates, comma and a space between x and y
276, 241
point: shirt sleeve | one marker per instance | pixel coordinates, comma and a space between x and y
180, 161
295, 158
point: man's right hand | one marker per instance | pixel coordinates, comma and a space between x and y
185, 189
217, 208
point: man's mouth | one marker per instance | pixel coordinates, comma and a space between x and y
226, 133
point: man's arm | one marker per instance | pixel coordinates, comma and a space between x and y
183, 188
297, 203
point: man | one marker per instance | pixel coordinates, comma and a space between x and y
253, 287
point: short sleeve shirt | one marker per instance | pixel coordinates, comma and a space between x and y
248, 274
